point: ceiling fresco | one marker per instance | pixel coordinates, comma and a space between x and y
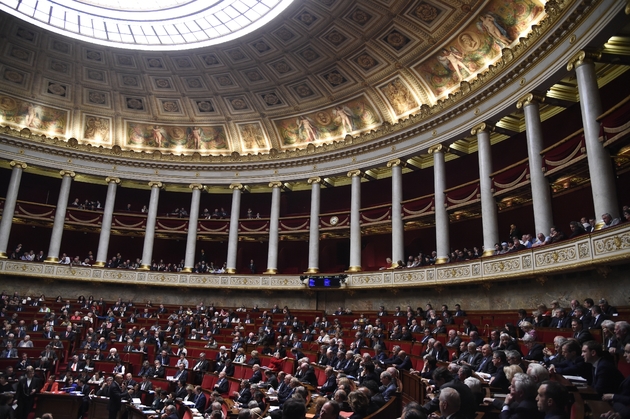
321, 71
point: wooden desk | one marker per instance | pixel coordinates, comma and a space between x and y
63, 406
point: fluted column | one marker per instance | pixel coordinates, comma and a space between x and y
398, 234
541, 192
274, 222
191, 238
442, 238
149, 233
60, 216
233, 238
355, 221
106, 225
599, 163
9, 205
313, 238
488, 204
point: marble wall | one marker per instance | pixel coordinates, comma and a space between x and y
610, 282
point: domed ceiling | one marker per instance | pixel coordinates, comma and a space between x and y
318, 72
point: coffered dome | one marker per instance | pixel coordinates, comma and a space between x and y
323, 75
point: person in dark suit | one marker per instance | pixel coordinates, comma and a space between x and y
244, 395
27, 388
621, 397
256, 375
222, 385
405, 365
606, 377
552, 400
597, 317
574, 364
486, 366
200, 399
498, 379
535, 350
115, 397
180, 390
443, 380
450, 404
579, 332
473, 359
181, 374
308, 375
170, 412
521, 402
388, 389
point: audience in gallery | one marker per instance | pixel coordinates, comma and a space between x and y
364, 381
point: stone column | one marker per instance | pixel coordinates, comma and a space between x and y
106, 224
398, 233
149, 233
355, 221
60, 216
233, 237
541, 192
191, 238
599, 163
442, 238
488, 204
274, 222
313, 238
9, 205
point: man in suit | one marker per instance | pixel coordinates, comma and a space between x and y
486, 366
27, 388
200, 367
170, 412
443, 379
405, 365
582, 335
180, 390
307, 375
535, 350
75, 364
200, 399
116, 395
244, 395
181, 374
606, 376
330, 385
222, 385
145, 384
9, 351
163, 358
450, 404
453, 340
388, 389
597, 317
521, 402
473, 359
552, 399
574, 363
621, 397
256, 374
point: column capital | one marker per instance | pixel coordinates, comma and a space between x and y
484, 126
17, 163
235, 186
110, 179
438, 148
315, 179
275, 184
583, 57
395, 162
195, 186
528, 99
354, 173
67, 173
156, 184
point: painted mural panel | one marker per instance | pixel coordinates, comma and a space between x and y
253, 137
97, 129
333, 123
36, 117
176, 137
499, 25
399, 97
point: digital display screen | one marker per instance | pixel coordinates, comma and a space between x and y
325, 281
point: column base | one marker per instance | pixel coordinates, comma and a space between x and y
270, 271
312, 271
3, 255
230, 271
441, 261
144, 268
354, 269
51, 259
187, 270
487, 253
98, 264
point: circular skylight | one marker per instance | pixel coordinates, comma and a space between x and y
148, 24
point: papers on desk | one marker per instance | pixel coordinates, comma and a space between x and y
136, 401
188, 403
149, 412
170, 378
575, 378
